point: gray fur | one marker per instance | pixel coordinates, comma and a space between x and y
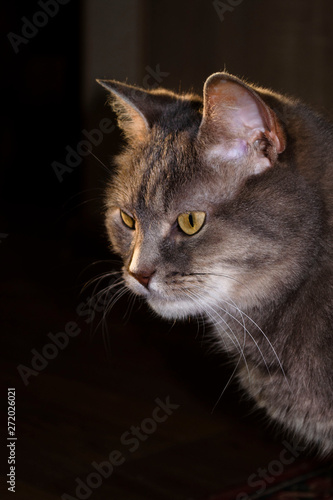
260, 269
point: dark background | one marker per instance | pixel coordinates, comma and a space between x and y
52, 241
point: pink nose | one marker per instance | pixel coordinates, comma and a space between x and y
143, 277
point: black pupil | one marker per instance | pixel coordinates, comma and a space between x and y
190, 219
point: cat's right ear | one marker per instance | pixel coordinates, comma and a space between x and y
237, 123
131, 105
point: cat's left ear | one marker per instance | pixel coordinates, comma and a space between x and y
237, 122
131, 104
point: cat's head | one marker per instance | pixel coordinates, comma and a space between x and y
201, 208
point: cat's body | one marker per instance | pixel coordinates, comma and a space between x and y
224, 209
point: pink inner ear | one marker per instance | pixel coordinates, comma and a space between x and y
236, 107
230, 150
234, 115
250, 116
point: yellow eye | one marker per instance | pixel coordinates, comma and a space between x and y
191, 222
127, 220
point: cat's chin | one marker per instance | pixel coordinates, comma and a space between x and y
165, 305
173, 309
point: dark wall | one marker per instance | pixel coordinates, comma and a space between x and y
286, 46
40, 110
51, 224
283, 45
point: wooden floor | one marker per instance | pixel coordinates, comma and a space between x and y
89, 402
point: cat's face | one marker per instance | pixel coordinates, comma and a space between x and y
197, 209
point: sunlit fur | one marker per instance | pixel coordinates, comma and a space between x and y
260, 268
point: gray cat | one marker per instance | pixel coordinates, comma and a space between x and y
222, 207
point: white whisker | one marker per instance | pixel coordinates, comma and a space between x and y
265, 337
239, 348
100, 161
227, 384
98, 279
243, 314
115, 297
